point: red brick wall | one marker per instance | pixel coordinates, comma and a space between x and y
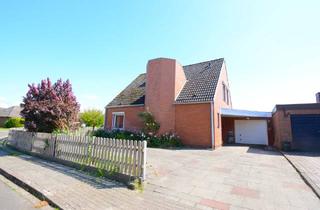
193, 124
132, 121
220, 103
165, 79
282, 124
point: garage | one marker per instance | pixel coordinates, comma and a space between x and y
251, 132
246, 127
306, 132
297, 127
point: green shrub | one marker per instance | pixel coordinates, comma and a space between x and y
118, 134
164, 141
14, 122
167, 140
150, 125
92, 118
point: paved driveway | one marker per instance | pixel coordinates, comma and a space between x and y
228, 178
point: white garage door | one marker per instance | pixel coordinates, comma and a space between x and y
251, 131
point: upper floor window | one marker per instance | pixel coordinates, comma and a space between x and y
226, 95
118, 120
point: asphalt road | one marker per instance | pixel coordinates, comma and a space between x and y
11, 199
3, 134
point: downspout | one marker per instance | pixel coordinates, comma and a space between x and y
212, 124
105, 118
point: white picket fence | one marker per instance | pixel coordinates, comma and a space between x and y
126, 157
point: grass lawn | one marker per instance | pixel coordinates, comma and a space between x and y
4, 129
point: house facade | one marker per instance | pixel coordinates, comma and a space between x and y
298, 125
185, 100
7, 113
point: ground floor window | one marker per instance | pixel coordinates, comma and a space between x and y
118, 120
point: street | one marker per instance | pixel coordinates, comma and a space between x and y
13, 197
3, 133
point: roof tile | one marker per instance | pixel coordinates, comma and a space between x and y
202, 79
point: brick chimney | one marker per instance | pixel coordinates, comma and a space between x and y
164, 81
318, 97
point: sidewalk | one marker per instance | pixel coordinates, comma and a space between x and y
72, 189
308, 165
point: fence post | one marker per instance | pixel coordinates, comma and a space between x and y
144, 160
32, 140
54, 145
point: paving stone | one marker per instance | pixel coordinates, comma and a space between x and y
263, 171
73, 189
215, 204
245, 192
178, 179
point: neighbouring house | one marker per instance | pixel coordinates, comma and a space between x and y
298, 125
6, 113
184, 99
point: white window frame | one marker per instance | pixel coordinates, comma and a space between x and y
114, 115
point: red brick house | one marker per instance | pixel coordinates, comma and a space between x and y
298, 125
184, 99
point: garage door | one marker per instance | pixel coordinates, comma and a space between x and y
251, 131
306, 132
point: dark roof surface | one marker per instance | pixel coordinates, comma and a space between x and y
133, 94
202, 79
296, 106
13, 111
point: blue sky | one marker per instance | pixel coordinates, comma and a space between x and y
272, 48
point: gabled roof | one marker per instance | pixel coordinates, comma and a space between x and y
13, 111
202, 79
133, 94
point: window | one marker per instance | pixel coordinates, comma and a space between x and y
224, 91
218, 124
118, 120
227, 96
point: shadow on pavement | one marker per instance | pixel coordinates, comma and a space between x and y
94, 181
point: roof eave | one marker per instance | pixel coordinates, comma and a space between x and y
122, 106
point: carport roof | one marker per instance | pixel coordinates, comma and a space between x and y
244, 113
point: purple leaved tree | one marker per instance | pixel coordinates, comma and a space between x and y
48, 107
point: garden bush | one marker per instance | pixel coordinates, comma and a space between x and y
161, 141
48, 107
14, 122
92, 118
150, 125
